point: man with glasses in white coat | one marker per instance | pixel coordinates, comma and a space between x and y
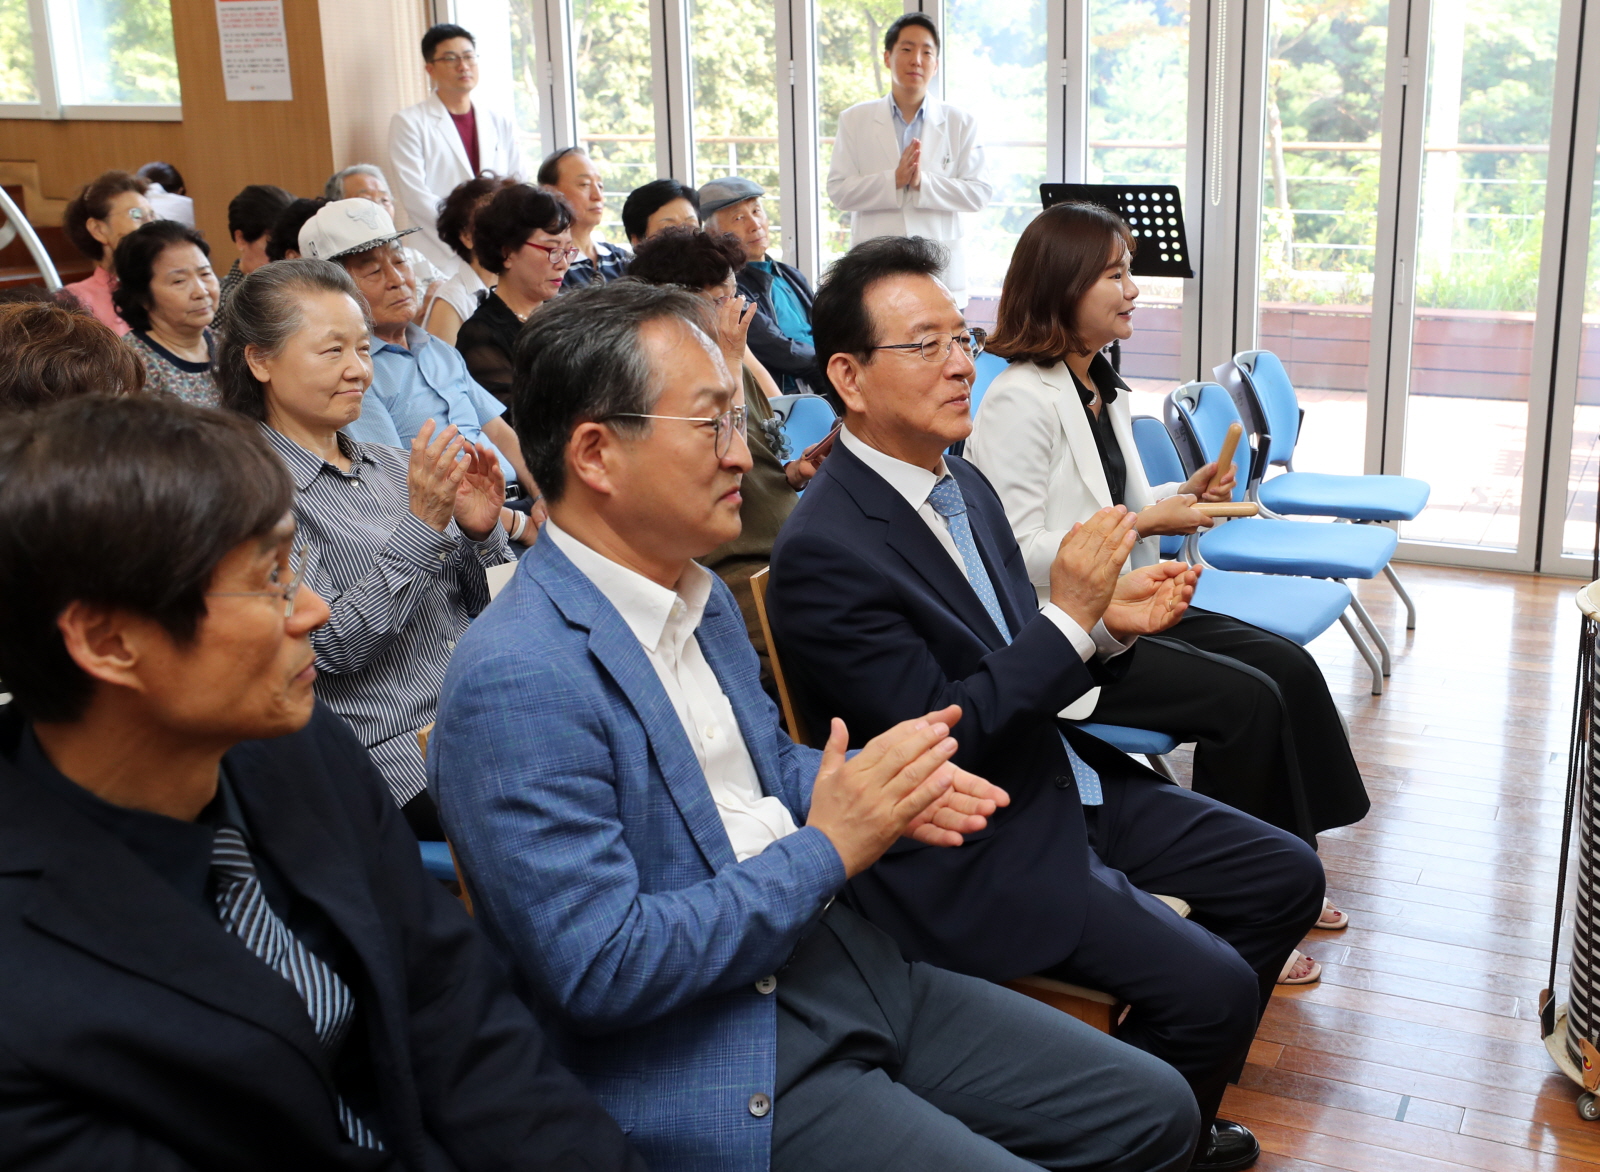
445, 139
909, 164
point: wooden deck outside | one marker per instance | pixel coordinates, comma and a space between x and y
1419, 1051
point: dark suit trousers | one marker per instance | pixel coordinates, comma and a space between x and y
890, 1066
1268, 738
1197, 987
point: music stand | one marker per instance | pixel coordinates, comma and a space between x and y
1153, 212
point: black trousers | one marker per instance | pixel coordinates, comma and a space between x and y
1267, 737
1197, 987
889, 1066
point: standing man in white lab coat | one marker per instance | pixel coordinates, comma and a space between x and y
445, 140
909, 165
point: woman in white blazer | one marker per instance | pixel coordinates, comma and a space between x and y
427, 154
1055, 437
866, 177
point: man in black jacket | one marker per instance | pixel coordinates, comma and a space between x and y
780, 331
217, 944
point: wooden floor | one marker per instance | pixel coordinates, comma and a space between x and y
1420, 1051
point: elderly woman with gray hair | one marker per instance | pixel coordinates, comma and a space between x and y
397, 542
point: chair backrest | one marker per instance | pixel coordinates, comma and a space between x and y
1162, 465
791, 718
988, 367
1265, 382
465, 896
1198, 417
808, 422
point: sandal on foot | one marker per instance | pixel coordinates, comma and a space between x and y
1332, 919
1300, 969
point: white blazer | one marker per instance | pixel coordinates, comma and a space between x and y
1033, 442
429, 161
861, 179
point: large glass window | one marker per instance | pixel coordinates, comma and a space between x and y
850, 69
1138, 124
114, 52
995, 69
1486, 149
16, 53
1325, 81
616, 110
1583, 473
733, 66
507, 65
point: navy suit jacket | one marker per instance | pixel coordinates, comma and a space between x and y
875, 623
139, 1033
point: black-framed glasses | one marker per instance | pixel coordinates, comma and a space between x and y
936, 347
453, 59
722, 426
280, 589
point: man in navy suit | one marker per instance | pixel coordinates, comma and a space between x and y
218, 947
897, 587
660, 861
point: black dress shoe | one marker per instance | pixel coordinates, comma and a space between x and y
1229, 1147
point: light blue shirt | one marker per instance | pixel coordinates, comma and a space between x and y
422, 380
903, 130
788, 309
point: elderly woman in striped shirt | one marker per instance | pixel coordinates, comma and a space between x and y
396, 542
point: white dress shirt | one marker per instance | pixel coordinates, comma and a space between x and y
915, 484
664, 621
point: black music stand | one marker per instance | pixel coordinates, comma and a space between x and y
1154, 214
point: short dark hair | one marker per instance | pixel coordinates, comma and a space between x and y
165, 174
578, 360
550, 170
921, 20
93, 202
256, 209
135, 262
841, 323
286, 229
504, 223
440, 33
687, 256
129, 503
459, 209
645, 201
264, 311
50, 351
1060, 254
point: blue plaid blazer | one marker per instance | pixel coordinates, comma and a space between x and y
599, 865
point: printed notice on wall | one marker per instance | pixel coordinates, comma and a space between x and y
255, 50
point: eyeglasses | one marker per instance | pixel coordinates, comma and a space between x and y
936, 347
454, 59
556, 252
723, 426
284, 590
140, 215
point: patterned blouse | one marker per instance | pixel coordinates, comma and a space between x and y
167, 374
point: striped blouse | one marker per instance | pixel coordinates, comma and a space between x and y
400, 591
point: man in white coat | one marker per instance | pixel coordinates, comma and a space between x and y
445, 140
909, 165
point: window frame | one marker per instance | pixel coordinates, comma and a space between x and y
46, 83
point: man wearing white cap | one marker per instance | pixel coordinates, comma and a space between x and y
415, 377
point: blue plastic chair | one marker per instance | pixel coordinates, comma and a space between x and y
437, 862
807, 420
1198, 418
988, 367
1264, 395
1152, 746
1299, 609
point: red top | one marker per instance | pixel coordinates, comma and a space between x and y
467, 128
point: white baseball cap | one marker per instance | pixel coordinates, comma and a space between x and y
347, 226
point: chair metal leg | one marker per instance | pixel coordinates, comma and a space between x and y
1411, 607
1366, 653
1159, 764
1378, 640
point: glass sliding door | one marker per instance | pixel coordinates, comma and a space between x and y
1138, 127
1321, 152
508, 65
1578, 519
615, 105
734, 89
1480, 233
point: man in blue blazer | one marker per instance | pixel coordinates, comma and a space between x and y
897, 586
218, 947
660, 861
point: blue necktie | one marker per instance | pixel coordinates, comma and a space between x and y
947, 501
